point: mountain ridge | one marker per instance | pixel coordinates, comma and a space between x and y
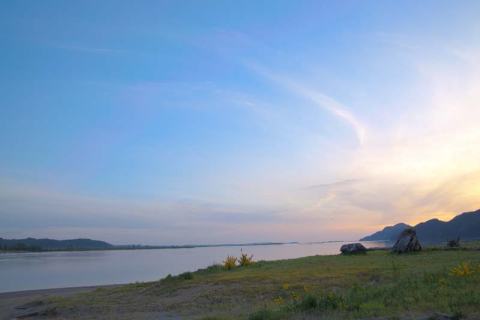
465, 226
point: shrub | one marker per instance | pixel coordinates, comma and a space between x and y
462, 270
168, 278
245, 260
230, 262
279, 300
212, 268
308, 302
331, 301
186, 276
455, 243
265, 315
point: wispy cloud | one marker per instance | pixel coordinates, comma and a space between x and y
424, 165
340, 183
44, 211
89, 49
320, 99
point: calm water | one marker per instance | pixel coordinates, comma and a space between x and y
27, 271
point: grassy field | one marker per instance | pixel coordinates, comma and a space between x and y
377, 284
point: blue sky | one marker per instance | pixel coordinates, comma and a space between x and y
213, 121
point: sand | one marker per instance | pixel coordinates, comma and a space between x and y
20, 304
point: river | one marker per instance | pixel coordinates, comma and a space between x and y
44, 270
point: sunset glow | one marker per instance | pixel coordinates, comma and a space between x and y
179, 125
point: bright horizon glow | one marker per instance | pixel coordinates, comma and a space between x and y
213, 122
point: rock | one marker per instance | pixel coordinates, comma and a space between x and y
440, 316
37, 312
33, 309
407, 242
30, 305
353, 248
453, 243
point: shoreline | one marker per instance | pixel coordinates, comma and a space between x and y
75, 289
18, 303
241, 292
54, 291
62, 289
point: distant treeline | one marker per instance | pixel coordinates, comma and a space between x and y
36, 245
20, 247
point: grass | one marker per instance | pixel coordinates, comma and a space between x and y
378, 284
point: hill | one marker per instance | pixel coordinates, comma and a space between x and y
388, 233
32, 244
465, 225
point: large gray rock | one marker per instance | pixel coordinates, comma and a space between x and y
407, 242
353, 248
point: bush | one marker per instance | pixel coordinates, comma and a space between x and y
186, 276
211, 269
230, 262
265, 315
168, 278
464, 269
309, 302
455, 243
330, 301
245, 260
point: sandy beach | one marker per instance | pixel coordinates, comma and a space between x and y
20, 304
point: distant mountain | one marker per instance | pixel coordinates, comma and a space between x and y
31, 244
465, 225
388, 233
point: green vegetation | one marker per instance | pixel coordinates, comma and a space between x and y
186, 276
230, 262
245, 260
378, 284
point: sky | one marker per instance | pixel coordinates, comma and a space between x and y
173, 122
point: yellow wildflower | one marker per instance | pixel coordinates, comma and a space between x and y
462, 270
278, 300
